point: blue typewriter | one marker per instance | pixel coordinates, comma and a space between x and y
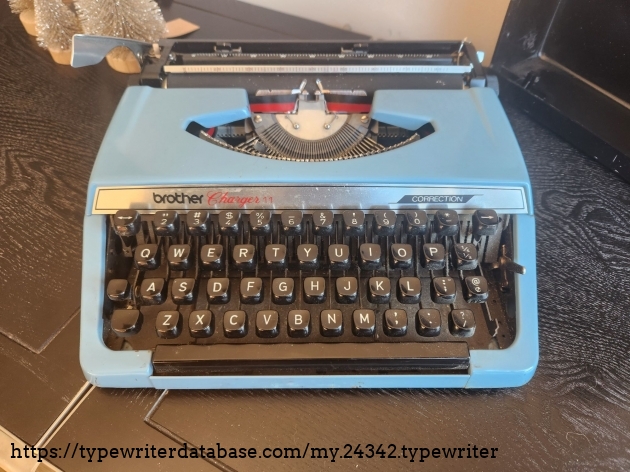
307, 215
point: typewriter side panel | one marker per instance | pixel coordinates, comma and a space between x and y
102, 366
515, 366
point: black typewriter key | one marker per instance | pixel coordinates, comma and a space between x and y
331, 323
416, 222
370, 256
433, 256
228, 222
147, 257
182, 291
178, 256
314, 289
384, 222
475, 289
127, 222
260, 222
339, 256
395, 322
282, 291
308, 256
200, 323
402, 256
267, 324
218, 290
166, 223
363, 322
168, 324
235, 324
464, 256
198, 222
211, 256
276, 256
153, 291
443, 290
409, 290
353, 222
323, 222
299, 323
379, 289
126, 322
292, 224
462, 323
117, 290
251, 290
244, 256
446, 223
428, 322
347, 289
485, 222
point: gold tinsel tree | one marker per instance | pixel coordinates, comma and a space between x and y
56, 23
18, 6
133, 19
26, 10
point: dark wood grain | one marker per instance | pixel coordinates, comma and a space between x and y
573, 415
35, 388
53, 119
116, 418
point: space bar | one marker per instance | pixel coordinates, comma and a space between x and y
309, 358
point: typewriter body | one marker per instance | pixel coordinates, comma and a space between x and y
309, 215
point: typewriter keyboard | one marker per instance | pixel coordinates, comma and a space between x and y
284, 292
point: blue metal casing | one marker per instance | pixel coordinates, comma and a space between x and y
146, 145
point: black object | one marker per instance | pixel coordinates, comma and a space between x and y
567, 64
166, 223
197, 222
267, 323
395, 322
429, 322
314, 289
201, 323
353, 222
228, 222
347, 289
126, 322
153, 291
260, 222
331, 323
235, 324
462, 323
292, 222
465, 256
168, 324
127, 222
363, 322
178, 256
147, 256
370, 256
244, 256
182, 291
443, 290
299, 323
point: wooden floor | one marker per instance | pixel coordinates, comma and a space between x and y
574, 414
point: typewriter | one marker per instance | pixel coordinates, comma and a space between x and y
307, 215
